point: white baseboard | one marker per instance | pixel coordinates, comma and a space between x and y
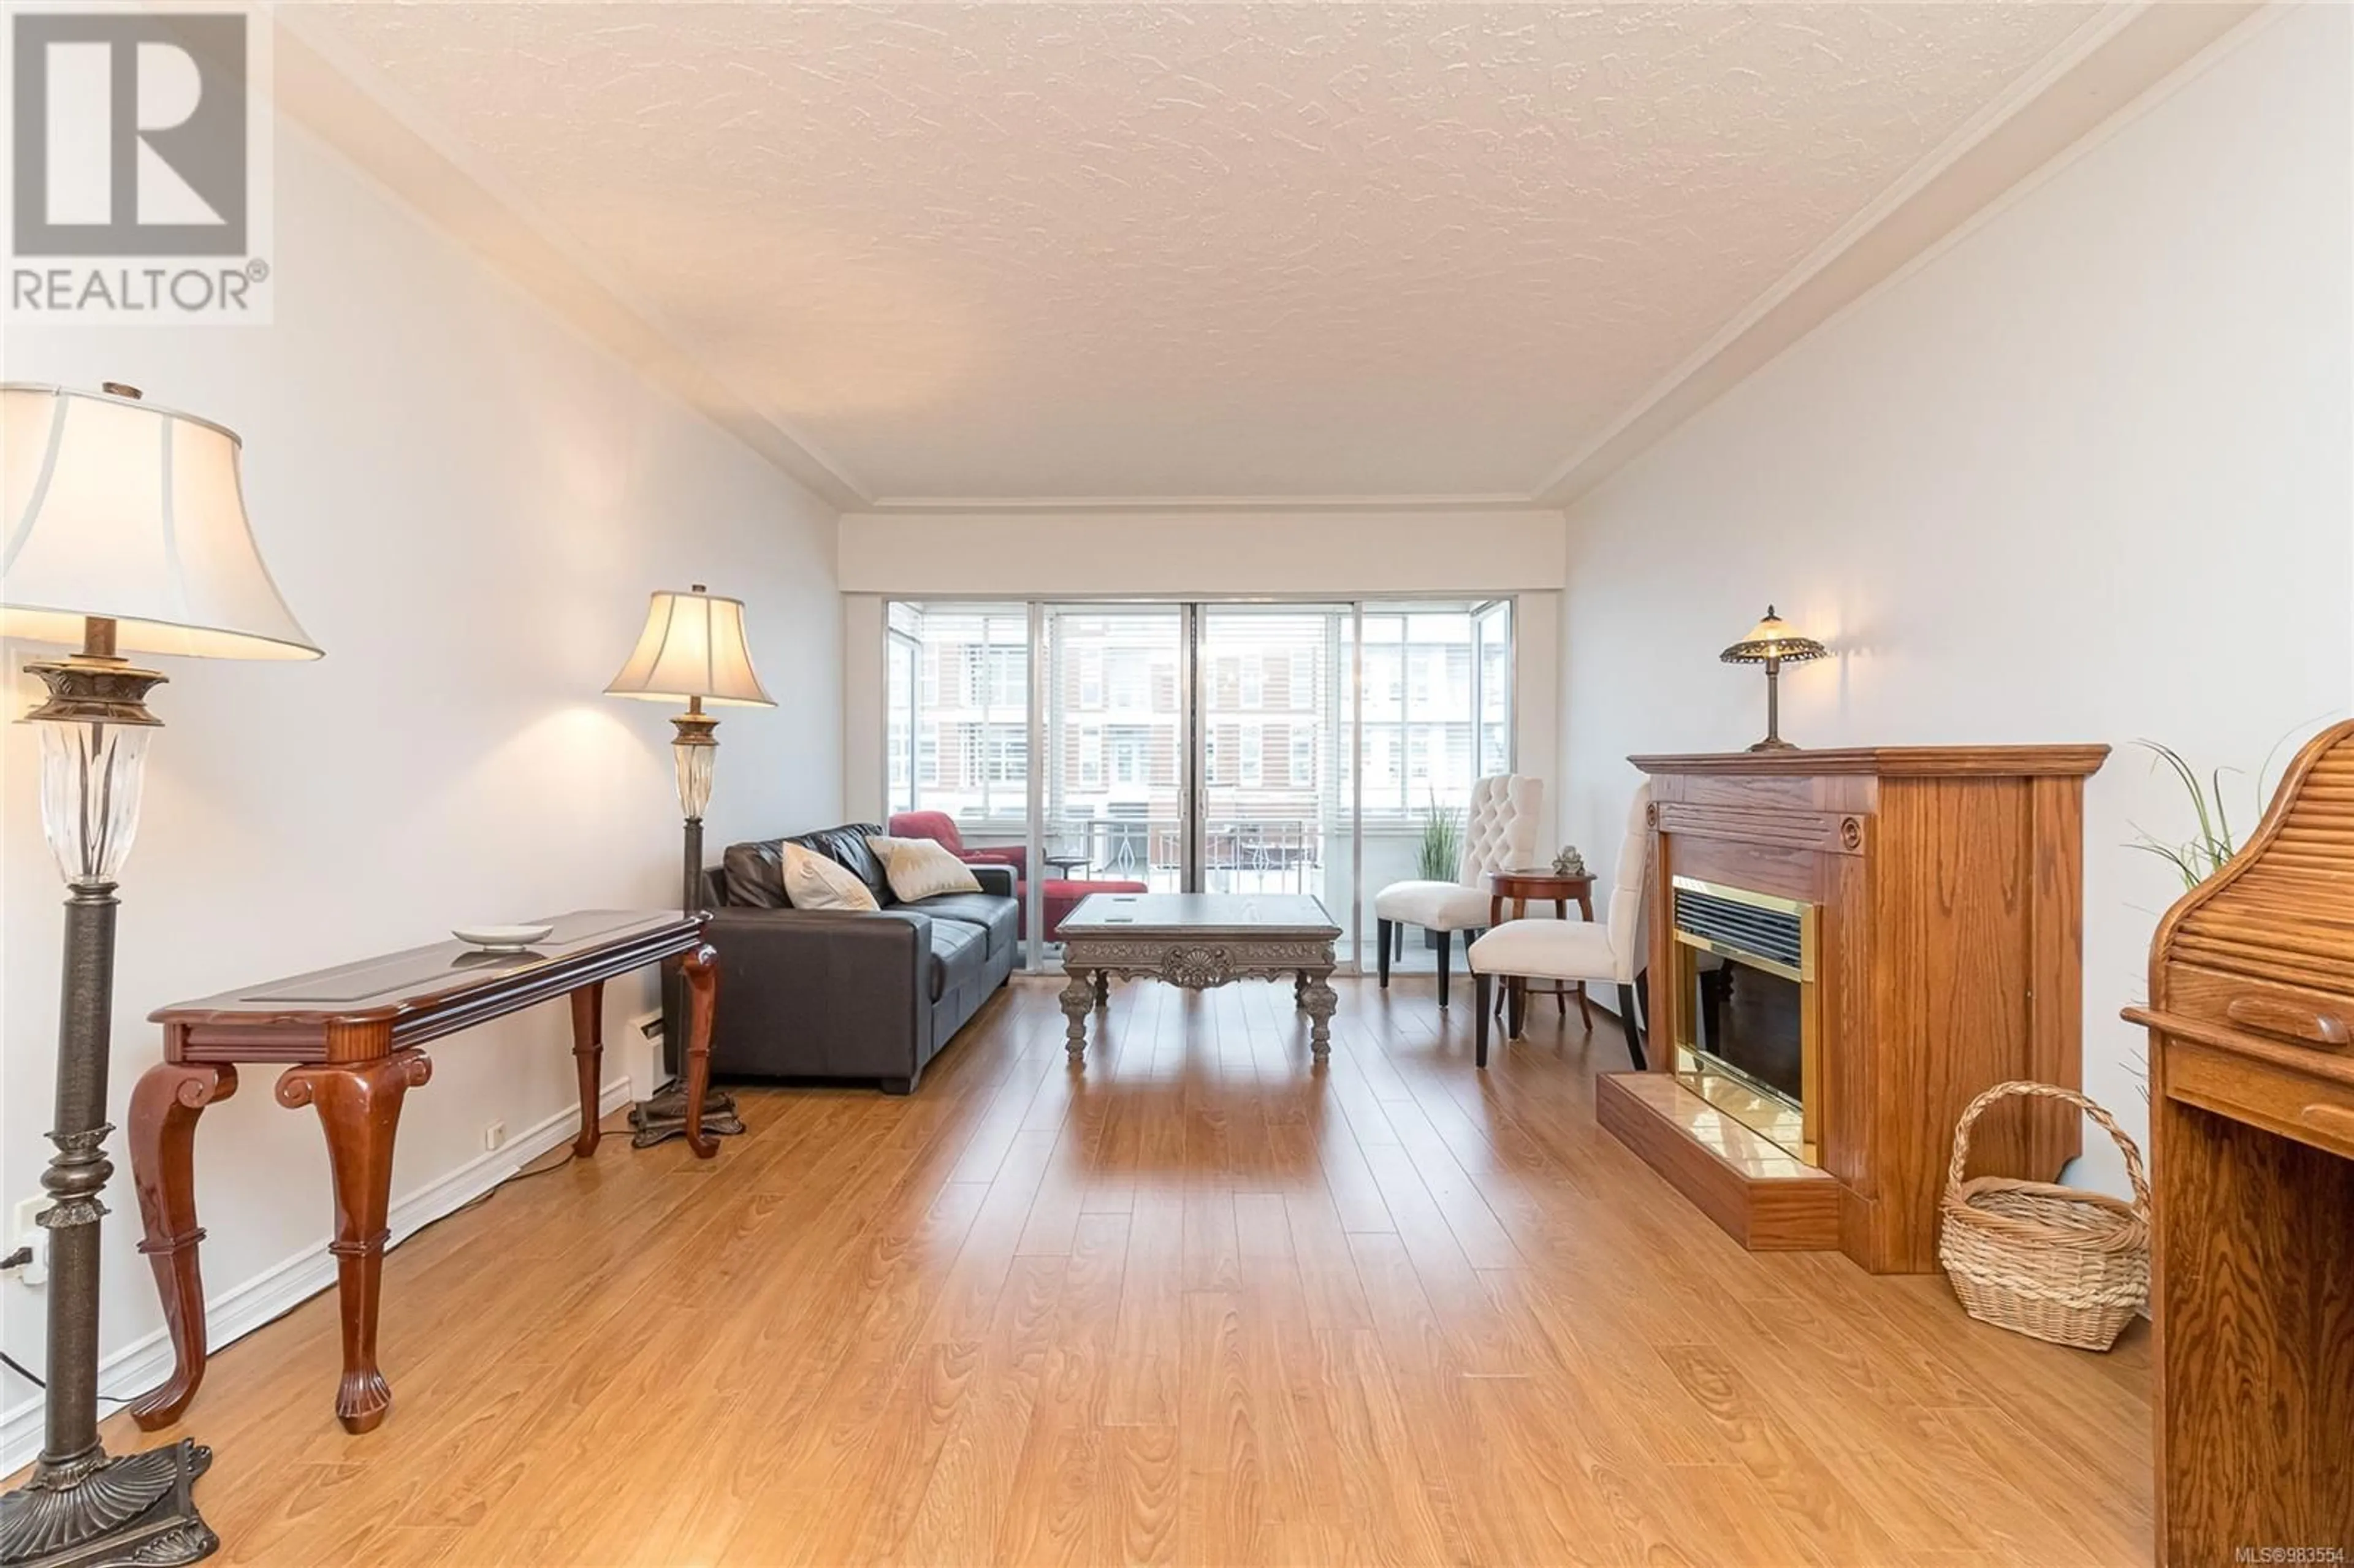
233, 1313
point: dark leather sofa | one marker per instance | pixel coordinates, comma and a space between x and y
826, 993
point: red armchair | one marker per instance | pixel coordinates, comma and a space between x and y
941, 828
1062, 894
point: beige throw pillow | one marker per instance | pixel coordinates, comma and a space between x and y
813, 882
918, 868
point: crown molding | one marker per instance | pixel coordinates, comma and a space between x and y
2120, 59
987, 505
354, 109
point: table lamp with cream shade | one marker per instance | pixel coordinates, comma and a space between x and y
1773, 642
693, 650
122, 530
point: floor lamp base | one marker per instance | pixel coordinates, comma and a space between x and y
131, 1509
665, 1116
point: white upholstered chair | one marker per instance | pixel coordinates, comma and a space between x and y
1499, 834
1575, 951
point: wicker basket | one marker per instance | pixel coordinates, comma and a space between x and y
2053, 1262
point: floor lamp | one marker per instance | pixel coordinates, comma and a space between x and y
125, 531
692, 649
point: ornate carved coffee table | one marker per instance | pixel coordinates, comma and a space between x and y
1199, 941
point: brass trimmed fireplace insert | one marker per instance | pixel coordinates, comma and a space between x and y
1749, 1033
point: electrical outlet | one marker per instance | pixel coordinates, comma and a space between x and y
495, 1136
25, 1231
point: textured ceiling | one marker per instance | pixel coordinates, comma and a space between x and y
1045, 250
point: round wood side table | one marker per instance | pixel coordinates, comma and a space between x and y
1541, 884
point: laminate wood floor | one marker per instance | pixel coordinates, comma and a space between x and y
1200, 1305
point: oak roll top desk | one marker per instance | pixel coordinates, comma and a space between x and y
2251, 1022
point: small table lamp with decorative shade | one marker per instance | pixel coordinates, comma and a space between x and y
123, 528
1773, 642
692, 649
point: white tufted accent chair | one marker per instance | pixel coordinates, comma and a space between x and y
1499, 834
1571, 951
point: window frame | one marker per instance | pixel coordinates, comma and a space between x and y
1373, 645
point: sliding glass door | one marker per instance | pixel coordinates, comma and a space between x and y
1113, 806
1276, 793
1221, 747
1435, 716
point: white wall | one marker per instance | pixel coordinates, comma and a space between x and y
2081, 476
1176, 554
466, 504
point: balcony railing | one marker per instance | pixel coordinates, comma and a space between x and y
1255, 854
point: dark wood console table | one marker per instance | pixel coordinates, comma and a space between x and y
349, 1037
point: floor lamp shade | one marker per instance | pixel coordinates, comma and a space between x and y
115, 508
692, 646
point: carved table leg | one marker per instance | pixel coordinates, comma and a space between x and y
359, 1110
588, 1060
1320, 1000
1559, 989
164, 1105
702, 972
1078, 999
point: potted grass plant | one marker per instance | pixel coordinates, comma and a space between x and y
2212, 840
1439, 856
2212, 846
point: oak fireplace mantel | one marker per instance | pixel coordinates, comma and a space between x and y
1846, 947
